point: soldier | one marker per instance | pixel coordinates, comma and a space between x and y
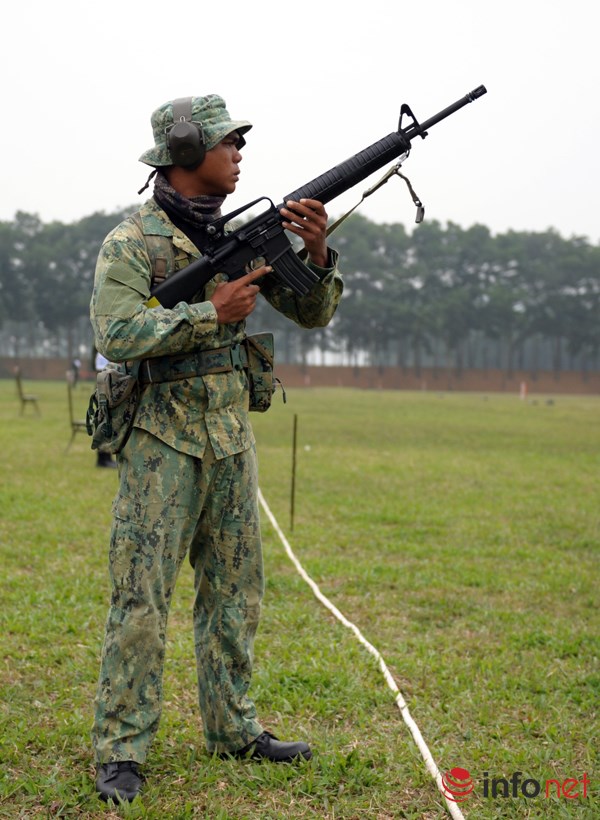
188, 473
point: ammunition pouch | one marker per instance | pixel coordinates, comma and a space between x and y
112, 408
260, 350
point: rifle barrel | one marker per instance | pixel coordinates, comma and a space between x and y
415, 131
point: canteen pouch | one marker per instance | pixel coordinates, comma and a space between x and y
261, 383
112, 408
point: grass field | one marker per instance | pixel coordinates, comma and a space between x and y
459, 532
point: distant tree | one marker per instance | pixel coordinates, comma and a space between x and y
440, 294
52, 269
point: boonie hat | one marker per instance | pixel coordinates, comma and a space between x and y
209, 111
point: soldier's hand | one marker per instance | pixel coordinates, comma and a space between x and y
236, 300
308, 220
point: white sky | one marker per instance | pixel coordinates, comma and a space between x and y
320, 80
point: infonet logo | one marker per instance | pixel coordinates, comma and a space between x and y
458, 786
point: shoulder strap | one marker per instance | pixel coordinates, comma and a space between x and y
160, 252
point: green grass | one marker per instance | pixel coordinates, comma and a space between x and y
459, 532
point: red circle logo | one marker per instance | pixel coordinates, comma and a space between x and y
457, 784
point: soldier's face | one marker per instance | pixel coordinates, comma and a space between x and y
218, 174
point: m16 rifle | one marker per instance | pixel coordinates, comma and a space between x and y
264, 237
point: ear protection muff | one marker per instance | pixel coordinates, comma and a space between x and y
185, 139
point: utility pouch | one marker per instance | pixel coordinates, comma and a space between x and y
112, 408
260, 349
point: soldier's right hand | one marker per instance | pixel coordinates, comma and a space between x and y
236, 300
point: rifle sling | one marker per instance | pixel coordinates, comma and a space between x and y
394, 170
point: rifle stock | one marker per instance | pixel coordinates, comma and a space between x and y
264, 236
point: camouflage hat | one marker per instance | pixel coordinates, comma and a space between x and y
210, 111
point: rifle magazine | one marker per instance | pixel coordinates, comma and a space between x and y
294, 273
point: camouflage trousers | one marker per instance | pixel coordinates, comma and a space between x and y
170, 505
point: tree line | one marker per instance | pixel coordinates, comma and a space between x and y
440, 295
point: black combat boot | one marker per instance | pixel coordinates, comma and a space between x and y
267, 747
119, 781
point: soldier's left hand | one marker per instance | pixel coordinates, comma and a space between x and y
308, 220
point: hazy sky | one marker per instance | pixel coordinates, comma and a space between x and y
320, 80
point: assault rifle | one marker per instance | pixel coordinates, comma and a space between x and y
264, 236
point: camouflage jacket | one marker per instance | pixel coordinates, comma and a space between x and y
185, 414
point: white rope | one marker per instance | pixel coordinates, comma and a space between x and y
430, 763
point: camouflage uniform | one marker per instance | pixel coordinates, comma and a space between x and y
188, 486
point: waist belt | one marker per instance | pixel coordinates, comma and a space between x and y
173, 368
